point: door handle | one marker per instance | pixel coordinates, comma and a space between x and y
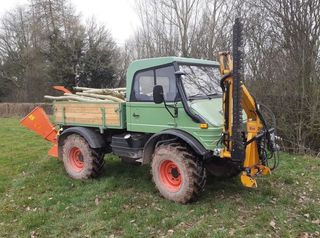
135, 115
172, 124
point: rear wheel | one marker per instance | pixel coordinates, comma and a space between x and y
81, 161
176, 174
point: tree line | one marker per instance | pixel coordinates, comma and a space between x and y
45, 43
282, 52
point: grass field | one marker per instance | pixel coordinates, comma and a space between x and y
37, 199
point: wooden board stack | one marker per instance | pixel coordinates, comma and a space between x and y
84, 94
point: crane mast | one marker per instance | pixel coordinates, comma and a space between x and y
242, 141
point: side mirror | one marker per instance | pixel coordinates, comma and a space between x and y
158, 94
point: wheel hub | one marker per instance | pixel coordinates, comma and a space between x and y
76, 159
170, 175
175, 173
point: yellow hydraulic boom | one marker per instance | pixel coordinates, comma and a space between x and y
252, 165
246, 144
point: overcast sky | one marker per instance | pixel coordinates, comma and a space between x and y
118, 15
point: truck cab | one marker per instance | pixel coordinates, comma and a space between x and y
192, 98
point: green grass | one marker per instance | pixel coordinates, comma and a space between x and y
38, 199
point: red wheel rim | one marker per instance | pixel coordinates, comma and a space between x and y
76, 159
170, 175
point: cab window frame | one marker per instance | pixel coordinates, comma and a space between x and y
133, 96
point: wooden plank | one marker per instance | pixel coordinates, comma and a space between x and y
92, 114
81, 108
88, 113
94, 121
113, 121
84, 115
86, 105
96, 108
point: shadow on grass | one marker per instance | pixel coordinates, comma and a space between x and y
139, 178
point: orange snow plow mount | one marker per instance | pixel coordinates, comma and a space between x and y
38, 121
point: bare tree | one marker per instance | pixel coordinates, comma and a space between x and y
190, 28
283, 41
44, 43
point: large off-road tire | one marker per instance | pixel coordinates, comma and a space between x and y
176, 173
81, 161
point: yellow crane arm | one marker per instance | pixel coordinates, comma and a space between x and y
252, 166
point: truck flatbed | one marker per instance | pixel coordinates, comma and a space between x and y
91, 114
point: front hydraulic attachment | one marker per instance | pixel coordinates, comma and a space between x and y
245, 147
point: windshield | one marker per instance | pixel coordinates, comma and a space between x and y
201, 81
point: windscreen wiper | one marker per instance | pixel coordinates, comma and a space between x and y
197, 95
212, 94
209, 96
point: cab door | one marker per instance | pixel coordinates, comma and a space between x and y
143, 115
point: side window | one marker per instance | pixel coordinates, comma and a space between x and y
146, 80
165, 77
143, 86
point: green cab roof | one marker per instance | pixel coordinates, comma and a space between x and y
154, 62
141, 64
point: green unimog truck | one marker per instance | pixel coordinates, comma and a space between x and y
172, 119
182, 116
179, 116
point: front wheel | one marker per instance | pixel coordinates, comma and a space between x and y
81, 161
176, 174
